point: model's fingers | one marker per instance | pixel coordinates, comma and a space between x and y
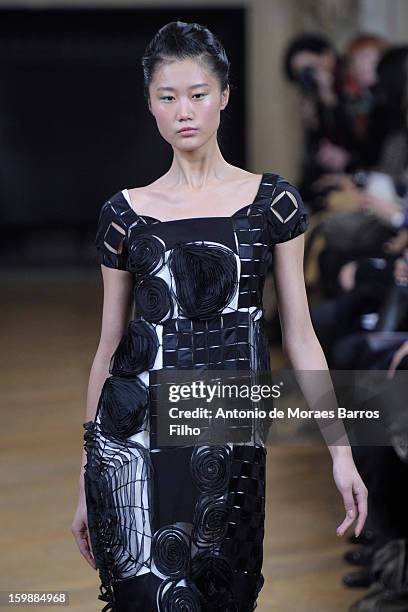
90, 544
361, 498
349, 519
351, 511
86, 551
81, 539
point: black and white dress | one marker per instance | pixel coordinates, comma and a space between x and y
180, 528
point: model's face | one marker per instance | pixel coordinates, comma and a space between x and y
363, 65
185, 93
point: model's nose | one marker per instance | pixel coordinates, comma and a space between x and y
184, 109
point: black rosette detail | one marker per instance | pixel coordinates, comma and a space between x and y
213, 575
153, 299
122, 406
205, 276
171, 551
146, 255
210, 520
211, 468
136, 351
173, 597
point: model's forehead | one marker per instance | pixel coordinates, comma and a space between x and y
182, 73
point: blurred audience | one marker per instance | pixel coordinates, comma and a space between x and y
311, 63
354, 179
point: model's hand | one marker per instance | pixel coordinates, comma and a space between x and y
354, 493
80, 532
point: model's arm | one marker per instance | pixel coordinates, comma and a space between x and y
117, 305
300, 344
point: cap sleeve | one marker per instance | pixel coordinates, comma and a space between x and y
286, 213
111, 237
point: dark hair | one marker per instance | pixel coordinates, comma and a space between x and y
306, 42
181, 40
392, 85
388, 115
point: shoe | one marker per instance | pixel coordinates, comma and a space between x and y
358, 579
363, 556
366, 537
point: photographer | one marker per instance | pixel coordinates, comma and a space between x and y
313, 66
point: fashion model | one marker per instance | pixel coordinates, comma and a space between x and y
180, 528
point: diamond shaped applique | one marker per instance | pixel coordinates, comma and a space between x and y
114, 238
284, 206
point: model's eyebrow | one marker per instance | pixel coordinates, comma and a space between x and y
192, 87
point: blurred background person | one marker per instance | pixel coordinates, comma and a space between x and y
312, 64
359, 78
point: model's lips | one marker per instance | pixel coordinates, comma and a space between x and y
187, 129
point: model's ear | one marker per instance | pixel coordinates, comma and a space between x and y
225, 97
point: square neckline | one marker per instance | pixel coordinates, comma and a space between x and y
231, 216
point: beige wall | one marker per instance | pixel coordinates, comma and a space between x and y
273, 119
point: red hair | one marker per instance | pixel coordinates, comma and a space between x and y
366, 41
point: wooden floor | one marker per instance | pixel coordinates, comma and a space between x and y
50, 325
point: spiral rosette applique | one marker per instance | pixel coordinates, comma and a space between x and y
213, 576
153, 299
122, 407
210, 520
136, 351
146, 255
205, 278
211, 468
171, 551
178, 596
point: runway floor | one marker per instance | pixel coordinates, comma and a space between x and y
50, 324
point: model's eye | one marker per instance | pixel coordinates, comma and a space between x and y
200, 94
166, 97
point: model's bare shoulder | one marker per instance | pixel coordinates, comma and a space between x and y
143, 198
241, 175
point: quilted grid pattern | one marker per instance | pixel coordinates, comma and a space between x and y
246, 504
252, 253
218, 342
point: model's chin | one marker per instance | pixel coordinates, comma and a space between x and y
187, 144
